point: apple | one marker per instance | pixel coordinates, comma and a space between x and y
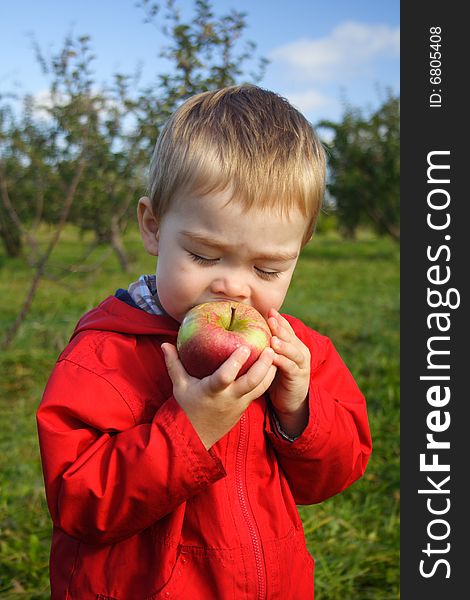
210, 332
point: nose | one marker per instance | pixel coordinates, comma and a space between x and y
231, 285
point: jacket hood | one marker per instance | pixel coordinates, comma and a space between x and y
115, 315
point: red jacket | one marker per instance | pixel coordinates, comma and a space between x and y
141, 510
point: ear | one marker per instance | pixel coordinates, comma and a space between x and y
148, 225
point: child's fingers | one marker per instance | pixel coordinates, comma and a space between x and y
263, 385
256, 374
286, 365
295, 352
286, 343
280, 326
175, 369
228, 371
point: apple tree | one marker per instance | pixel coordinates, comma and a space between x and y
364, 169
79, 155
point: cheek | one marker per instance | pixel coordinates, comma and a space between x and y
271, 298
180, 283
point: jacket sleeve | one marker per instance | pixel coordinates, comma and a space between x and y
106, 476
333, 450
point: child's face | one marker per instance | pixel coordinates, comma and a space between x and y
208, 251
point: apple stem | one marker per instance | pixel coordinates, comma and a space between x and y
232, 319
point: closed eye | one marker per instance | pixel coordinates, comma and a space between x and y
200, 260
267, 275
208, 262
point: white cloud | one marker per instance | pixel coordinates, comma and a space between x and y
43, 101
349, 49
308, 100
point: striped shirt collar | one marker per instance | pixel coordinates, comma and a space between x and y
144, 293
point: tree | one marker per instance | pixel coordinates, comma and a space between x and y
10, 232
79, 157
364, 169
203, 54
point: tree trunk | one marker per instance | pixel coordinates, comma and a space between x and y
40, 267
117, 244
10, 234
10, 229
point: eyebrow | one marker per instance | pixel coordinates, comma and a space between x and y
220, 245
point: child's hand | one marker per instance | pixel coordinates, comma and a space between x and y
288, 393
215, 404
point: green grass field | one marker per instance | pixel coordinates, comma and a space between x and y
348, 291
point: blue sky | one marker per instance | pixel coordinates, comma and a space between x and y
321, 52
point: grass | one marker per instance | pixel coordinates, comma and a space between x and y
346, 290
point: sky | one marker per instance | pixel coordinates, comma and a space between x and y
322, 54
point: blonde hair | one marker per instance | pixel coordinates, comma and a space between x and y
244, 139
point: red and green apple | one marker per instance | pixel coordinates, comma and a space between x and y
210, 332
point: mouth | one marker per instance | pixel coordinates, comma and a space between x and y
227, 300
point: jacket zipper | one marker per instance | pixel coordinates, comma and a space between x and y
249, 519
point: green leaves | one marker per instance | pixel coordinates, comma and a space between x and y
79, 153
364, 169
112, 125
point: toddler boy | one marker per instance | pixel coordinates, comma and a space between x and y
161, 485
